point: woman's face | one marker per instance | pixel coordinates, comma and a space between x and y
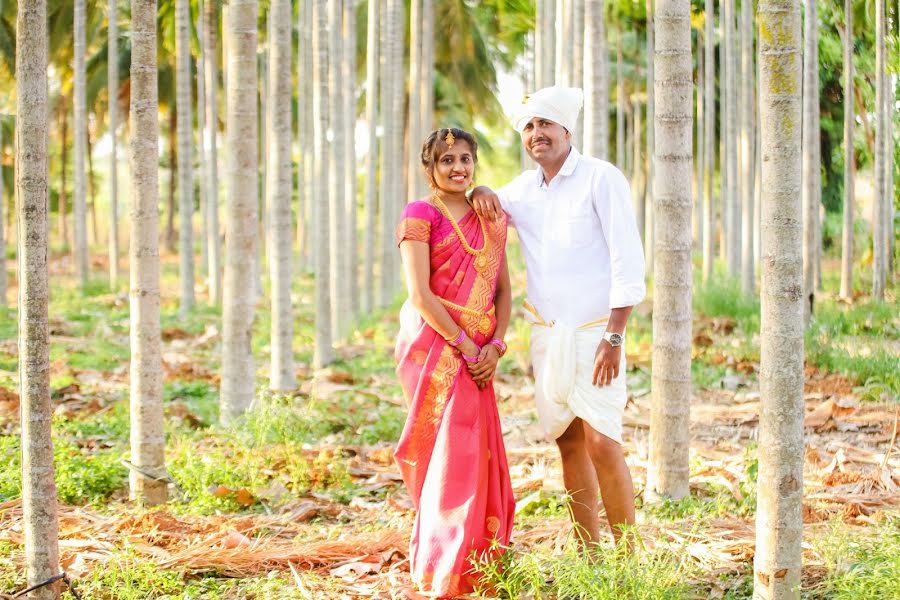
454, 169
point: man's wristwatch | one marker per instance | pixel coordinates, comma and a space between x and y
615, 339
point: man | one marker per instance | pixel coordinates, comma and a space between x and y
585, 269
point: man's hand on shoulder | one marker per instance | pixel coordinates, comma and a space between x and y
486, 203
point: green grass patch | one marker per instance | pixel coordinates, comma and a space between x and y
127, 576
860, 565
96, 353
722, 297
82, 474
611, 574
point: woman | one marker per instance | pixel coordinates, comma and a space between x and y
451, 450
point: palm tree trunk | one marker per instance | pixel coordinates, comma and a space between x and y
242, 212
577, 58
278, 198
596, 79
79, 212
38, 485
620, 103
398, 89
428, 40
371, 200
649, 229
305, 201
185, 156
879, 211
709, 131
351, 287
201, 136
779, 517
147, 482
414, 135
112, 60
733, 227
699, 162
336, 188
173, 178
64, 147
91, 186
670, 413
323, 353
748, 268
563, 21
846, 290
211, 72
387, 170
811, 163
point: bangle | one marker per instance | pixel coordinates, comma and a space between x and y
458, 339
471, 359
501, 347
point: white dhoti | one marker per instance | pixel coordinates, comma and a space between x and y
563, 360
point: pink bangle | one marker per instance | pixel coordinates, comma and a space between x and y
472, 359
498, 343
458, 339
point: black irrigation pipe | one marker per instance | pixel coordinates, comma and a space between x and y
63, 576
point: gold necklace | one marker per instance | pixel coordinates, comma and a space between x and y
481, 261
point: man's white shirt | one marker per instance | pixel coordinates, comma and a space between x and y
582, 249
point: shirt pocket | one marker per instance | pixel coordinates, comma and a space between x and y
576, 229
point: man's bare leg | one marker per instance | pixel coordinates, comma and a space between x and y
580, 479
612, 473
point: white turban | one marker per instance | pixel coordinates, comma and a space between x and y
558, 104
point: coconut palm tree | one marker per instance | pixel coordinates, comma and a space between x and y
811, 164
779, 517
371, 199
211, 72
596, 81
38, 484
880, 212
80, 204
185, 155
278, 197
112, 64
242, 220
846, 289
748, 268
323, 351
147, 481
670, 414
709, 112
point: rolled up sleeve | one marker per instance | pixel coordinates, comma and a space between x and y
612, 201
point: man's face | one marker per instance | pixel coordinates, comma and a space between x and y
545, 141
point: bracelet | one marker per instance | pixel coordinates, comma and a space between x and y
498, 343
471, 359
458, 339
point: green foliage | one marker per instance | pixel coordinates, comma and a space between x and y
611, 573
127, 576
82, 474
856, 341
860, 565
721, 296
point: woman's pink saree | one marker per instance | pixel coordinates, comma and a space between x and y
451, 452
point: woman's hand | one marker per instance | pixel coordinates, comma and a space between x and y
483, 371
468, 347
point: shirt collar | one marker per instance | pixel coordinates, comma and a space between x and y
567, 169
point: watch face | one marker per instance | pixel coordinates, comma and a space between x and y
615, 339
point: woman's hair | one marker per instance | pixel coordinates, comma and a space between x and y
435, 145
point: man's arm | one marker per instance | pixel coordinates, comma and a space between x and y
627, 287
486, 203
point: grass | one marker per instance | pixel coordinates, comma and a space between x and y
611, 574
860, 566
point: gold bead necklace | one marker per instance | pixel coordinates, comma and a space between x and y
481, 261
